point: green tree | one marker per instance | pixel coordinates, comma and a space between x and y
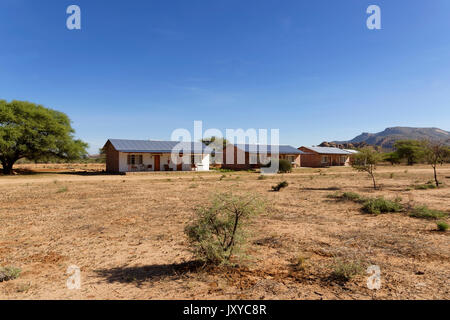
366, 161
392, 157
411, 150
217, 144
436, 153
34, 132
215, 141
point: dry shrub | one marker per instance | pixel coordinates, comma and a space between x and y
218, 231
381, 205
442, 226
9, 273
346, 269
280, 186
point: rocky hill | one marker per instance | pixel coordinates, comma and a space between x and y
386, 139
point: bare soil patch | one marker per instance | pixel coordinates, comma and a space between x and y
126, 235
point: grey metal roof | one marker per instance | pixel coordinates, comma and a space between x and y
351, 151
158, 146
256, 148
328, 150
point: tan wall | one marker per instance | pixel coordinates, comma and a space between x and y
166, 162
231, 161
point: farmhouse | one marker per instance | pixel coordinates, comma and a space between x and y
325, 157
252, 156
148, 155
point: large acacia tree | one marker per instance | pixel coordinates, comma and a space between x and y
31, 131
411, 150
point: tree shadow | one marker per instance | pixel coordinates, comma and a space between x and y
20, 172
321, 189
27, 172
331, 279
150, 273
92, 173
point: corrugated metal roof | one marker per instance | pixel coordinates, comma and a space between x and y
351, 151
328, 150
255, 148
123, 145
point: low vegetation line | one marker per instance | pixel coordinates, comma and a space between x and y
381, 205
424, 212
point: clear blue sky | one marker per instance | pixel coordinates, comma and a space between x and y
140, 69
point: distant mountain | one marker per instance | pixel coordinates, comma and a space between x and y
387, 138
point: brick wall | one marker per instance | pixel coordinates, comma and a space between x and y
112, 158
313, 159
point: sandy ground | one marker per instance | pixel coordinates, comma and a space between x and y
125, 233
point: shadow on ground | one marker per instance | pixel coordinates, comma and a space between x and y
91, 173
25, 172
320, 189
141, 274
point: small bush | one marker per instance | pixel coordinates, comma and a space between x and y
346, 269
300, 263
262, 177
425, 187
346, 196
62, 190
223, 170
351, 196
442, 226
284, 166
217, 233
424, 212
9, 273
24, 287
381, 205
335, 195
280, 186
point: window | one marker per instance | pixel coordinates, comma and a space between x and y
133, 159
325, 159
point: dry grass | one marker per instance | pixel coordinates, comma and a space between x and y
126, 235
